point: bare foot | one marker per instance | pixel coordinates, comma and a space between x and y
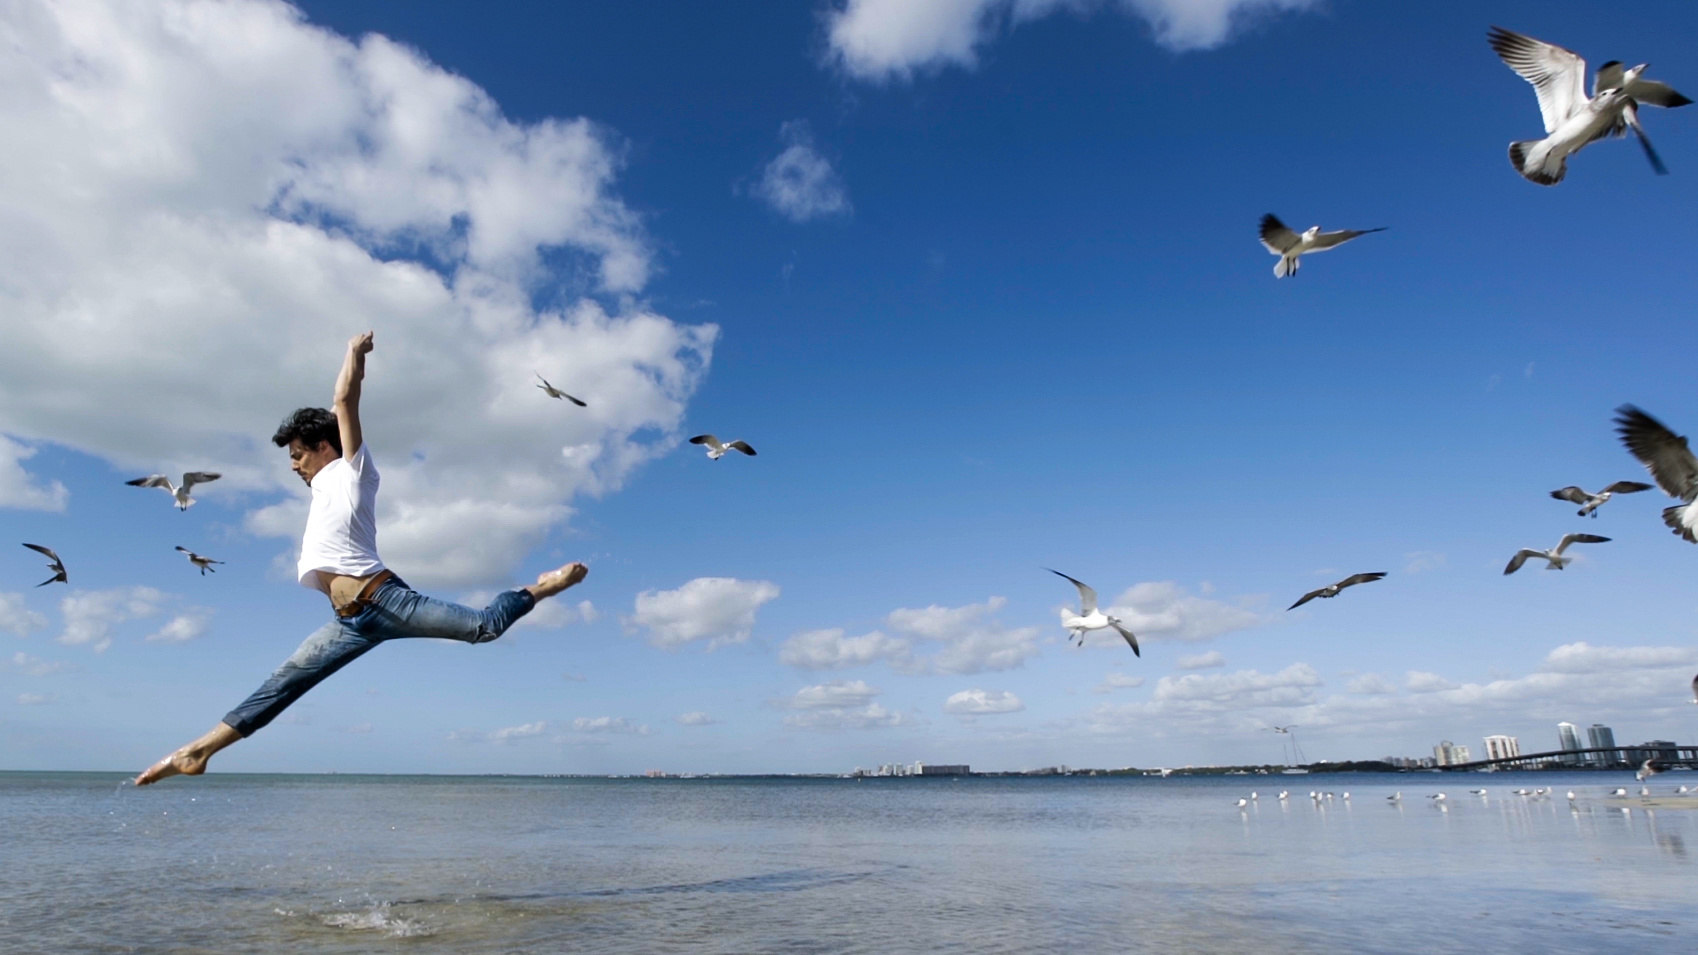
555, 581
180, 763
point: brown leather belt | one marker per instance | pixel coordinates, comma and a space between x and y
363, 599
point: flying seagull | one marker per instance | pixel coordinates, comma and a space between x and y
1573, 120
57, 565
1695, 689
715, 450
1589, 503
554, 392
180, 494
204, 563
1646, 771
1090, 618
1670, 462
1331, 590
1288, 245
1554, 556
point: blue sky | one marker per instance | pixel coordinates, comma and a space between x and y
983, 289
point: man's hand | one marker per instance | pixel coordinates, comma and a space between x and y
360, 344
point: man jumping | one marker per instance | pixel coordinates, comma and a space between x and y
339, 557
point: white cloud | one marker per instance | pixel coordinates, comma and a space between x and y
18, 489
551, 614
830, 649
1245, 688
90, 615
799, 183
832, 695
203, 203
1161, 610
522, 731
697, 718
1419, 681
35, 699
1205, 704
36, 666
17, 618
608, 724
1584, 658
1202, 661
972, 641
838, 705
1370, 684
718, 609
879, 40
1118, 681
978, 702
183, 627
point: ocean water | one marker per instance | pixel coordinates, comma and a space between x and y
425, 864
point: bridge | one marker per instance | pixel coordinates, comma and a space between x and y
1616, 756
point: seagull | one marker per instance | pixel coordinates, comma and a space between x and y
1554, 555
1242, 802
1090, 618
178, 494
1571, 795
1278, 238
1670, 462
1695, 689
1521, 792
1646, 772
715, 450
1477, 792
1395, 797
1572, 120
204, 563
1331, 590
1589, 502
57, 565
1644, 791
1284, 793
1618, 792
1437, 797
554, 392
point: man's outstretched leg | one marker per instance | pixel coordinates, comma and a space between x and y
191, 759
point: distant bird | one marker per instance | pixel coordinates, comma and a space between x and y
554, 392
1644, 791
1090, 618
1618, 792
204, 563
1437, 797
1521, 792
1289, 246
1695, 689
1332, 590
715, 450
1477, 792
1345, 796
1571, 795
1646, 771
1554, 558
1670, 462
1284, 793
180, 494
1589, 503
1242, 802
1572, 119
1395, 797
56, 565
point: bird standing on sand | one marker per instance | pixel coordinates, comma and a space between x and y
1091, 618
554, 392
1332, 590
715, 450
179, 493
57, 565
204, 563
1289, 246
1553, 556
1670, 462
1589, 503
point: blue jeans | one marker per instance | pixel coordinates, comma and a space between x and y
395, 611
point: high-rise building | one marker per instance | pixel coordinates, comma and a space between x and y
1449, 754
1502, 747
1602, 737
1568, 738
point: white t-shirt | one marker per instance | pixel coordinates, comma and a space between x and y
341, 535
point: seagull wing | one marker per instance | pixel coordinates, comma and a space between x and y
1571, 494
577, 401
1326, 240
1655, 93
1568, 539
199, 477
1521, 558
1663, 452
1630, 116
1131, 640
44, 550
185, 550
1276, 237
153, 480
1087, 596
1311, 595
742, 446
1626, 487
1608, 77
1355, 579
1558, 75
708, 440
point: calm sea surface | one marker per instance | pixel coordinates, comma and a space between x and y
425, 864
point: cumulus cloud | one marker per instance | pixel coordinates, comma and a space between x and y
608, 724
1163, 610
1584, 658
978, 702
203, 202
16, 617
35, 666
972, 640
799, 182
1370, 684
831, 649
838, 705
1181, 704
880, 40
1118, 681
696, 718
720, 610
183, 627
90, 615
1419, 681
522, 731
1202, 661
18, 489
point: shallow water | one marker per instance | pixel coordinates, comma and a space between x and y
518, 864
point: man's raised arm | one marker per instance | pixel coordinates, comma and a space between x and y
346, 403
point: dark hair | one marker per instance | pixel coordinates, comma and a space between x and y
310, 425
